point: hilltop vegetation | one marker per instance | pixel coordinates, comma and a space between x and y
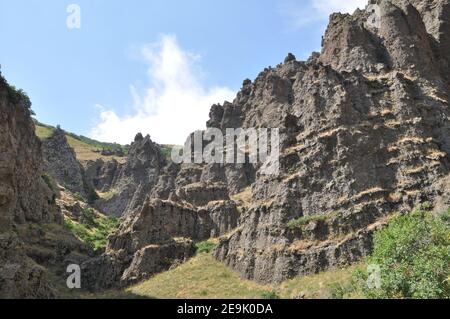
90, 149
85, 148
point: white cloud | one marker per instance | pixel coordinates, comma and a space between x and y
175, 104
300, 14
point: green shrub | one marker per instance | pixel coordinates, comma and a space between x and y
205, 247
270, 295
413, 254
20, 96
79, 197
48, 181
94, 230
445, 216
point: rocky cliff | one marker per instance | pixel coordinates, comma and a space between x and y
366, 134
25, 199
60, 162
35, 247
128, 184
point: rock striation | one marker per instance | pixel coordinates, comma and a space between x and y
365, 128
364, 133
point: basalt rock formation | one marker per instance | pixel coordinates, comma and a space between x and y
366, 134
161, 232
129, 184
33, 240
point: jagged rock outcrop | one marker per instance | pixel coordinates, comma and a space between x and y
101, 174
24, 198
155, 238
132, 182
365, 130
60, 161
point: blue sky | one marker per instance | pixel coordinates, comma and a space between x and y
154, 66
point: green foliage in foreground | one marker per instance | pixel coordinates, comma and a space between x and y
93, 228
413, 253
205, 247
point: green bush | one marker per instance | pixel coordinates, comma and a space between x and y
48, 181
94, 230
79, 197
270, 295
205, 247
413, 254
20, 96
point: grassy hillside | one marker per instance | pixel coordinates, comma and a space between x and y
88, 149
205, 277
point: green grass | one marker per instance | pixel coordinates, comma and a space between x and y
270, 295
43, 132
166, 150
85, 148
204, 277
201, 277
324, 285
205, 247
93, 229
305, 220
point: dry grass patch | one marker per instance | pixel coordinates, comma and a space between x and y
83, 150
201, 277
243, 199
320, 286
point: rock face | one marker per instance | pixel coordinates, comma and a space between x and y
131, 183
365, 133
59, 160
24, 198
158, 236
166, 208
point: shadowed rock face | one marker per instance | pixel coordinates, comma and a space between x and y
24, 199
165, 208
133, 181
